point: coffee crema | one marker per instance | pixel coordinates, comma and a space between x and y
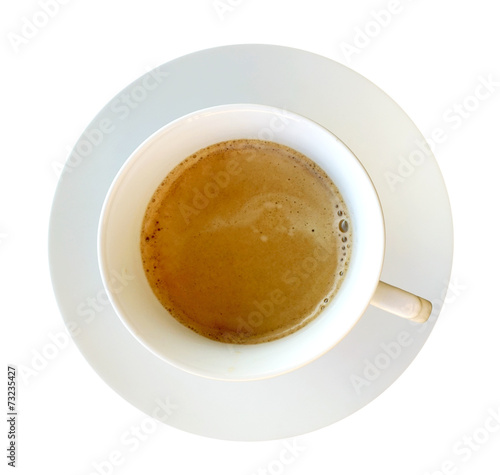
245, 241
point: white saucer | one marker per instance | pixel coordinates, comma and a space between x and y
418, 256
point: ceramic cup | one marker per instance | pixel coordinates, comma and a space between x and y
143, 315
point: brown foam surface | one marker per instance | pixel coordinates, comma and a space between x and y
241, 242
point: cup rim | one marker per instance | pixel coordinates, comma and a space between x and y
125, 174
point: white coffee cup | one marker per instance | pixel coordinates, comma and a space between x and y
144, 316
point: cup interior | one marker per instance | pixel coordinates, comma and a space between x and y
119, 242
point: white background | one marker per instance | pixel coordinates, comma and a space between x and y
429, 56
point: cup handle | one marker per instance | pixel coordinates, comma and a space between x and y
401, 303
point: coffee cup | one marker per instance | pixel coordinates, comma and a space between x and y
153, 324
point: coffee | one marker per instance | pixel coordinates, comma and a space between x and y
245, 241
